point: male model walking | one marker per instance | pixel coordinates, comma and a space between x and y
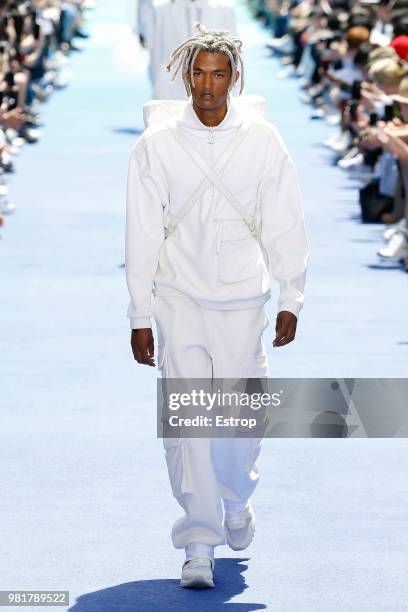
213, 210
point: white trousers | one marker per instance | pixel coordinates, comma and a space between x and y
208, 475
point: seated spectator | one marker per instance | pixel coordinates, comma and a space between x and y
394, 139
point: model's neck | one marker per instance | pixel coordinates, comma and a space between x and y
211, 118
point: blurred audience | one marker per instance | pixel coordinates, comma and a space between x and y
36, 38
351, 59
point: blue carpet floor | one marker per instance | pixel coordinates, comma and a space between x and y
86, 504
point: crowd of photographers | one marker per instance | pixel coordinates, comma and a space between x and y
36, 36
351, 62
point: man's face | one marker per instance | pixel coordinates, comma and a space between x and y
212, 76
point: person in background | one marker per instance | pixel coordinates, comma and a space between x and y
167, 23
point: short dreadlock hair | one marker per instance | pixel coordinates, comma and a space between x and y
209, 41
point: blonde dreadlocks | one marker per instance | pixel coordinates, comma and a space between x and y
209, 41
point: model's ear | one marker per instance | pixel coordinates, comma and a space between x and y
237, 77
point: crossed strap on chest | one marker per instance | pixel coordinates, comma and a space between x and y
211, 176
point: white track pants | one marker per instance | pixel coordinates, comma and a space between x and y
207, 474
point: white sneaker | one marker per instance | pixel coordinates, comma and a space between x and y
286, 72
60, 59
333, 118
339, 142
396, 249
395, 227
239, 528
318, 113
348, 163
61, 80
197, 573
351, 153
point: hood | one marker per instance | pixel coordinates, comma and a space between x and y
192, 123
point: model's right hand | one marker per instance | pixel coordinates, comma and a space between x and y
143, 346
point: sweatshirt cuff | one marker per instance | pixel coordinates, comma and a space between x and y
293, 307
140, 323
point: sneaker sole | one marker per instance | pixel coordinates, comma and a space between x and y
245, 543
197, 582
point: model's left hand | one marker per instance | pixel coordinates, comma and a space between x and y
285, 328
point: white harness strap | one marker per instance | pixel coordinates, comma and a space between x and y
211, 175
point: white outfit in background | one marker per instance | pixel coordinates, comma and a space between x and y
381, 34
144, 18
170, 24
210, 277
348, 74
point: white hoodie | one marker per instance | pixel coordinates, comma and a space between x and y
211, 256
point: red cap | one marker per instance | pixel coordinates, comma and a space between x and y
400, 45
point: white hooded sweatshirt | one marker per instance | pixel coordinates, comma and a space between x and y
211, 256
168, 24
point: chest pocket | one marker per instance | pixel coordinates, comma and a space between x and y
239, 255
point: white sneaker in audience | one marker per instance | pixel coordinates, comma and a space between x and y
61, 80
348, 163
333, 118
286, 72
11, 134
14, 140
60, 59
305, 97
42, 93
351, 153
18, 143
318, 113
6, 157
396, 249
395, 227
339, 142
